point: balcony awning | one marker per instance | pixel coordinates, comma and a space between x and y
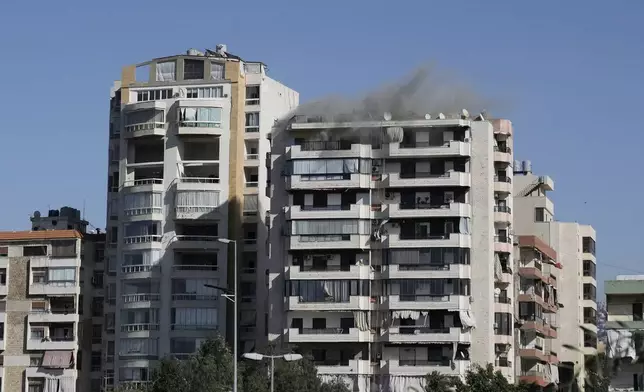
57, 359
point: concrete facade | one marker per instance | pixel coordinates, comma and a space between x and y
355, 219
188, 147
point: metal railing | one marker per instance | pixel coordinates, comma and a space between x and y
142, 239
129, 298
423, 206
424, 297
503, 209
198, 180
148, 126
323, 331
194, 267
325, 145
139, 327
143, 181
504, 149
131, 269
424, 362
194, 297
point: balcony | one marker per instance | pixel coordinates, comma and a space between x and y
331, 181
350, 367
143, 213
418, 334
54, 288
337, 271
140, 300
210, 183
328, 150
139, 271
503, 244
424, 210
145, 119
453, 240
144, 328
503, 214
53, 343
328, 335
423, 179
534, 377
503, 184
502, 154
345, 241
207, 213
348, 211
425, 302
354, 302
452, 148
197, 242
53, 315
143, 185
503, 304
418, 367
193, 120
142, 241
411, 271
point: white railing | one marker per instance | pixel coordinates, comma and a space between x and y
142, 239
195, 209
143, 181
199, 180
142, 211
139, 327
192, 327
194, 267
194, 297
207, 238
252, 156
131, 269
252, 184
199, 124
129, 298
147, 126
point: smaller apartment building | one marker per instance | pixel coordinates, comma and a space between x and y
40, 327
625, 321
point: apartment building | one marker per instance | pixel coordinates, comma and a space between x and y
377, 268
556, 284
625, 321
43, 318
189, 138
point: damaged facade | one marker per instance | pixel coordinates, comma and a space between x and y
388, 277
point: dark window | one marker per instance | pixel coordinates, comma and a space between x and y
114, 234
96, 361
503, 324
590, 268
540, 214
638, 311
319, 323
40, 250
297, 323
4, 251
588, 245
193, 69
64, 248
590, 292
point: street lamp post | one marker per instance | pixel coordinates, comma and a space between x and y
234, 299
260, 357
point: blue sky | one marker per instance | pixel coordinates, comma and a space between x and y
568, 74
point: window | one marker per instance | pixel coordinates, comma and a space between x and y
205, 92
153, 95
144, 120
185, 345
194, 318
503, 324
114, 234
140, 203
590, 292
36, 384
3, 276
61, 275
166, 71
588, 245
252, 95
39, 250
39, 276
193, 69
252, 122
638, 311
200, 117
96, 361
194, 289
252, 68
97, 331
139, 347
590, 268
540, 214
37, 333
217, 71
4, 251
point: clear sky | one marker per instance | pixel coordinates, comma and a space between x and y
569, 75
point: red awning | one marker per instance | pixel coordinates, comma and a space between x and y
57, 359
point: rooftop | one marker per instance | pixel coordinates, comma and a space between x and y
38, 235
624, 287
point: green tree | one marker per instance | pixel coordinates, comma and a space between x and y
484, 379
438, 382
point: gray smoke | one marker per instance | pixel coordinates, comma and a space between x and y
426, 90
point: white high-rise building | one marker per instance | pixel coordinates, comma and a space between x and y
189, 138
391, 247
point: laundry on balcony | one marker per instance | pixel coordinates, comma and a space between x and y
58, 359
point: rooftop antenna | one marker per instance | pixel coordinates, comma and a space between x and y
83, 216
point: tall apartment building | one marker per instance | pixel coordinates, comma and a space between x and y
377, 268
45, 319
189, 138
624, 325
557, 287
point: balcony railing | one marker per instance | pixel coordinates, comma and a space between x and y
590, 320
325, 268
324, 331
505, 179
503, 239
129, 298
194, 297
147, 126
199, 180
131, 269
424, 362
424, 297
142, 239
407, 175
504, 149
502, 300
332, 207
143, 181
194, 267
418, 236
251, 184
199, 124
417, 144
250, 157
206, 238
423, 267
142, 211
325, 146
414, 329
139, 327
423, 206
503, 209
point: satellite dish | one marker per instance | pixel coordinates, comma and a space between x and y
387, 116
428, 116
36, 214
441, 116
465, 114
497, 291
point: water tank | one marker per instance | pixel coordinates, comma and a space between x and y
193, 52
527, 167
518, 167
53, 213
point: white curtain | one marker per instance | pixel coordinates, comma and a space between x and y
61, 274
67, 384
252, 119
198, 199
144, 117
403, 384
141, 200
498, 269
467, 318
361, 320
554, 371
464, 226
144, 257
325, 166
324, 227
188, 114
166, 72
195, 317
216, 71
51, 385
621, 344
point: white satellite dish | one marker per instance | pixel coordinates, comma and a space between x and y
441, 116
387, 116
428, 116
465, 114
497, 291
